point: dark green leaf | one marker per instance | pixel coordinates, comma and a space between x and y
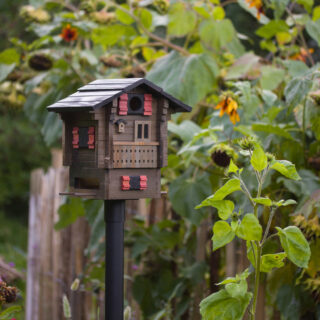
189, 79
183, 189
273, 129
297, 90
69, 212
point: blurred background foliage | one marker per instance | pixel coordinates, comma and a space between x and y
257, 60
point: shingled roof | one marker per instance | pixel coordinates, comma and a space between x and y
100, 92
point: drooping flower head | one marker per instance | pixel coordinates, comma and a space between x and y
68, 33
258, 4
302, 55
229, 106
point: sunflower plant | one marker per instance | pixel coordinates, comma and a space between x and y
237, 298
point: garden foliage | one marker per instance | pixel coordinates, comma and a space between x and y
248, 69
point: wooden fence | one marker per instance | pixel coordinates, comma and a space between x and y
56, 258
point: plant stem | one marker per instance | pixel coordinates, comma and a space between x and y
268, 226
152, 35
304, 130
256, 283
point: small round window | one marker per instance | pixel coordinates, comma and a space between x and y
135, 105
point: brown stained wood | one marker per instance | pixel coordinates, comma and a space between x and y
135, 143
135, 157
153, 184
79, 241
163, 136
46, 263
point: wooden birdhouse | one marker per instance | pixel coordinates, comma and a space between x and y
115, 138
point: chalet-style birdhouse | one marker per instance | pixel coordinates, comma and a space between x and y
115, 138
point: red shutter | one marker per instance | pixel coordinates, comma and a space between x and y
75, 138
125, 183
123, 105
143, 182
91, 137
147, 105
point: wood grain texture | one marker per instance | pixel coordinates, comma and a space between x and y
153, 184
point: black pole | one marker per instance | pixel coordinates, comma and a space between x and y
114, 212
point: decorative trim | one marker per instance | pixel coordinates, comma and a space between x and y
91, 137
147, 105
123, 105
125, 183
143, 182
133, 183
75, 137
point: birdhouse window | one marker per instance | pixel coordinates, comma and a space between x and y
142, 130
83, 137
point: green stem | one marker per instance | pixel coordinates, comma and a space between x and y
268, 226
304, 130
256, 283
258, 193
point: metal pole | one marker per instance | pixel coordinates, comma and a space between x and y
114, 211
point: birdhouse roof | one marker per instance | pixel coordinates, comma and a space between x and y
100, 92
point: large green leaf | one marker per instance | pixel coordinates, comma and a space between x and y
112, 34
295, 245
313, 28
5, 69
189, 79
279, 7
271, 77
231, 186
9, 56
185, 130
224, 207
270, 261
297, 90
273, 129
222, 234
259, 159
181, 20
185, 194
222, 306
217, 34
237, 290
272, 28
69, 212
286, 168
250, 228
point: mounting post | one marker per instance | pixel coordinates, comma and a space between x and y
114, 213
